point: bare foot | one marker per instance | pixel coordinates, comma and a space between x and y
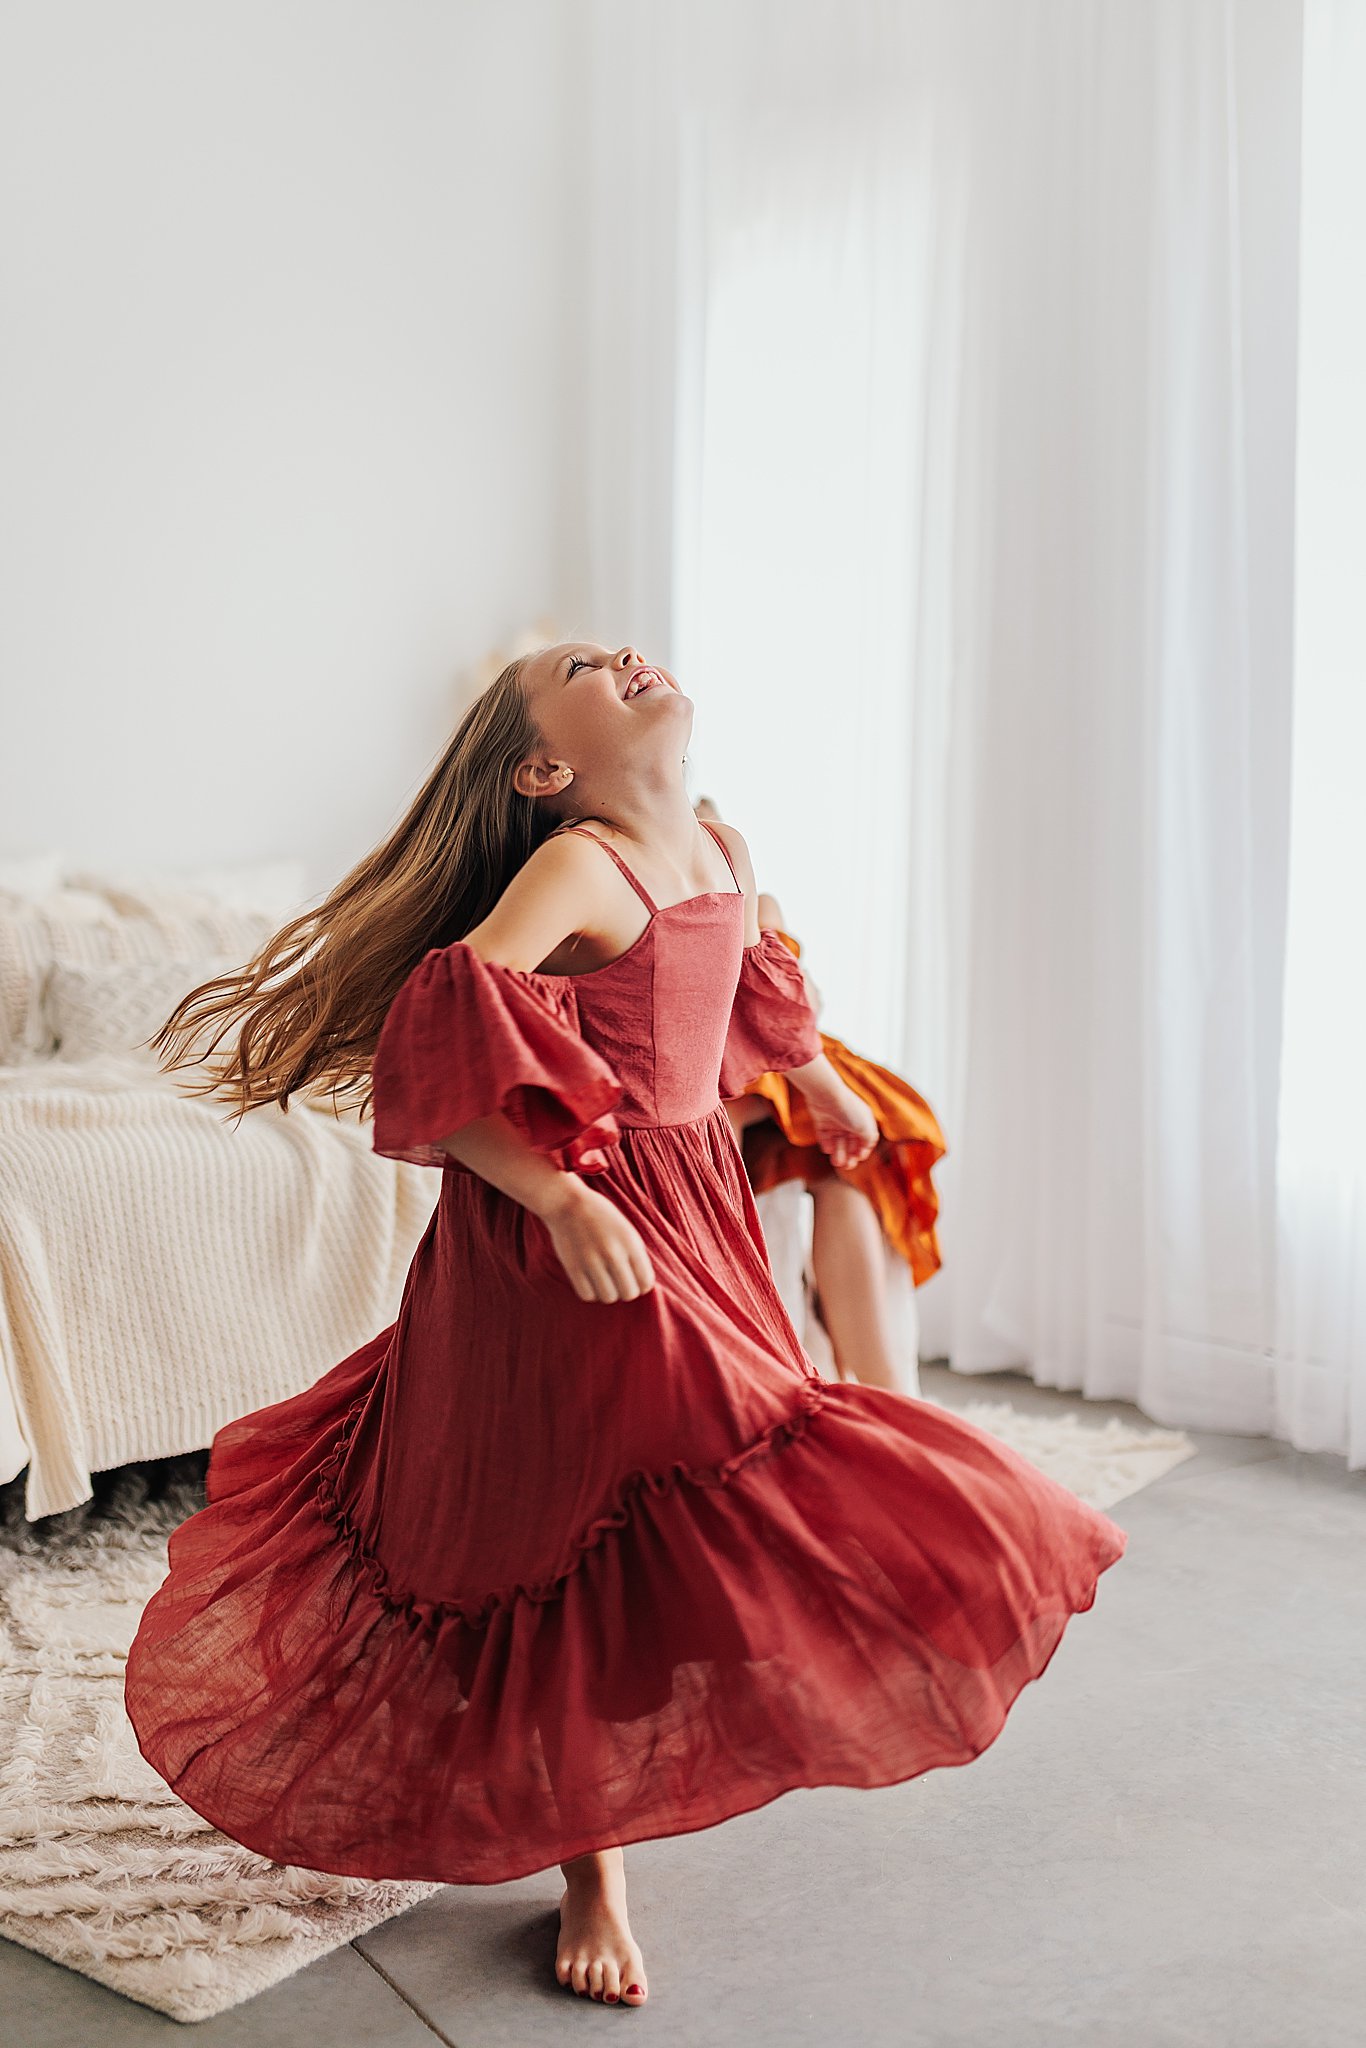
596, 1956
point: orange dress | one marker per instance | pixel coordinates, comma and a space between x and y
895, 1175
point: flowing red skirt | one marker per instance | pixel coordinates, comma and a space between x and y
840, 1585
855, 1596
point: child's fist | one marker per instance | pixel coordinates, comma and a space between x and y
600, 1249
846, 1129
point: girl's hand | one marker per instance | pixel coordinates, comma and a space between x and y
846, 1129
601, 1250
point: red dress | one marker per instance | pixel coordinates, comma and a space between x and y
527, 1575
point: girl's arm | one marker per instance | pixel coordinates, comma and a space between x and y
847, 1127
561, 889
601, 1250
771, 918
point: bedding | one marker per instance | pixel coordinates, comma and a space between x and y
162, 1271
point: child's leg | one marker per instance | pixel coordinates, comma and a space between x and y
596, 1955
747, 1109
847, 1258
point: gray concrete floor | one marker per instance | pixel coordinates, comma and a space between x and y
1163, 1849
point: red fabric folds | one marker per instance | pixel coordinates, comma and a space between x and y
772, 1024
465, 1037
529, 1574
857, 1596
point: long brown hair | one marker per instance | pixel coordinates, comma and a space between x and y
439, 872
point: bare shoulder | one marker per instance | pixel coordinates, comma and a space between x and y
738, 851
564, 853
560, 889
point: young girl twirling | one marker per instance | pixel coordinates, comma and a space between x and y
582, 1549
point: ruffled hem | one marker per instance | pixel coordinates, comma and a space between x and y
857, 1610
772, 1024
465, 1037
476, 1612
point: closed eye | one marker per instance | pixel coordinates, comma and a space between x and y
575, 663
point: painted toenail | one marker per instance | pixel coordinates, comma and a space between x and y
637, 1988
611, 1997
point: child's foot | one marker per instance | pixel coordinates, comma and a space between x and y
596, 1956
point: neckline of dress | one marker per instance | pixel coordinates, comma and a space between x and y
659, 910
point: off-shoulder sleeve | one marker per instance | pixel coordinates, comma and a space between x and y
465, 1036
772, 1024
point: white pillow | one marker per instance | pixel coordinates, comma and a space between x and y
77, 928
35, 931
113, 1006
273, 890
34, 874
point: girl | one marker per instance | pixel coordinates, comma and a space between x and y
582, 1548
882, 1200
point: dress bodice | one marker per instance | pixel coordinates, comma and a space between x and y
659, 1013
687, 1016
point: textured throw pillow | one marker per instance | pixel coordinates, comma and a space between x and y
31, 874
79, 928
268, 890
99, 1007
70, 924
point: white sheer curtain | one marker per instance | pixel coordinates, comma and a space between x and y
975, 330
1321, 1337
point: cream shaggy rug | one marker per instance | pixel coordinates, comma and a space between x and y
1101, 1463
104, 1869
101, 1866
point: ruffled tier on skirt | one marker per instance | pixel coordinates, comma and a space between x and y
853, 1598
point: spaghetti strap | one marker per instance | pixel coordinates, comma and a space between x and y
722, 844
636, 884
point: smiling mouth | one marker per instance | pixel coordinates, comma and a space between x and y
645, 679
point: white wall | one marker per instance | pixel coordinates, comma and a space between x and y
288, 379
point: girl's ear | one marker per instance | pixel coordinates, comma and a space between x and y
541, 778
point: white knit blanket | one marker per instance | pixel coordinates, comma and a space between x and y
163, 1270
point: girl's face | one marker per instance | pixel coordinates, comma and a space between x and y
597, 710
